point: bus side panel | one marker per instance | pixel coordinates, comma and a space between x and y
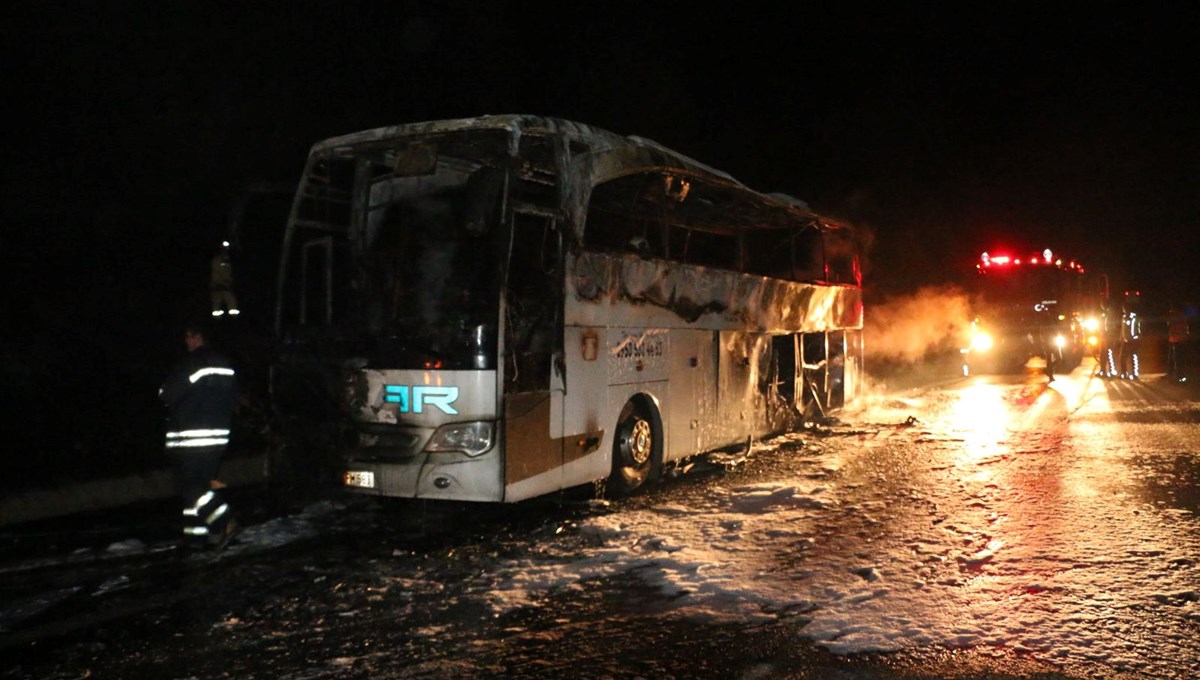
611, 290
578, 406
605, 367
740, 399
638, 361
636, 355
692, 373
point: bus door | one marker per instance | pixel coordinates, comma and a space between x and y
786, 385
814, 362
532, 324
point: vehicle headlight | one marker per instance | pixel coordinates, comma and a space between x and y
472, 439
1060, 341
981, 341
1091, 324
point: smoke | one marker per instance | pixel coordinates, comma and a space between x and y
910, 328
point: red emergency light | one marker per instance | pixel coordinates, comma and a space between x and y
1046, 258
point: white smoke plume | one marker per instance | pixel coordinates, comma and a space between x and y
910, 328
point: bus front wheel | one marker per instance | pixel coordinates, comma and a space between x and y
635, 448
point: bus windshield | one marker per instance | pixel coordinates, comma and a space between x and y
430, 283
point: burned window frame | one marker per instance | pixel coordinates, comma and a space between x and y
662, 214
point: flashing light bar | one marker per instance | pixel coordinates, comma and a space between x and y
1047, 257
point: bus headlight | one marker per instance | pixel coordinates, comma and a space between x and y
980, 341
472, 439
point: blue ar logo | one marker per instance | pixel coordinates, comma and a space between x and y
414, 398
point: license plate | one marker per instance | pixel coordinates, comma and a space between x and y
360, 478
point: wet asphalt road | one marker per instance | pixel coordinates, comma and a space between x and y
1093, 487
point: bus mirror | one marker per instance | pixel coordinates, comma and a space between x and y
415, 160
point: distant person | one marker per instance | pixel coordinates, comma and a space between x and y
221, 284
1050, 351
1131, 335
201, 394
1110, 338
1177, 337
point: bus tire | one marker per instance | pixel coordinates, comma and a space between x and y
637, 445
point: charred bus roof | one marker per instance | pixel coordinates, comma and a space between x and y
589, 156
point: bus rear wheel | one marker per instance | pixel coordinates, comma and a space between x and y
635, 448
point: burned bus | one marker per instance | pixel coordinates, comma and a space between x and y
497, 308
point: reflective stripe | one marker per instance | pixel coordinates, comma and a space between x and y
197, 433
203, 500
216, 515
194, 438
197, 442
209, 371
196, 531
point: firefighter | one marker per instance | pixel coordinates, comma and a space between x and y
1109, 337
1177, 335
201, 394
1131, 334
221, 284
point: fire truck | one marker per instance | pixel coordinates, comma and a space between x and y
1032, 306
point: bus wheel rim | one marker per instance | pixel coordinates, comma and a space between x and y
641, 441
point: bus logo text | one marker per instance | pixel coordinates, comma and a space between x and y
414, 398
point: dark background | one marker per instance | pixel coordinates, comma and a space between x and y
133, 128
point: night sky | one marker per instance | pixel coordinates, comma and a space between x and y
133, 127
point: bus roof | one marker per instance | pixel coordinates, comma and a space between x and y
516, 123
650, 154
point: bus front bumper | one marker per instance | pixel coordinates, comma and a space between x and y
433, 476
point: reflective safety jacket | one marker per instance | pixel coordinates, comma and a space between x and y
201, 394
1131, 327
